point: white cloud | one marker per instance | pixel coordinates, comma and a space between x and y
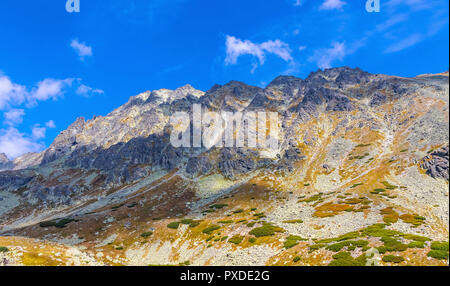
81, 49
10, 92
13, 143
50, 89
332, 4
236, 48
15, 94
298, 2
301, 48
325, 57
38, 132
50, 124
86, 91
14, 116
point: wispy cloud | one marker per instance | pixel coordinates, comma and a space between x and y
405, 43
236, 48
38, 132
15, 94
325, 57
332, 5
412, 4
81, 49
50, 124
10, 92
87, 91
14, 116
50, 89
436, 23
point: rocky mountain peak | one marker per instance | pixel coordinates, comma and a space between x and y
3, 158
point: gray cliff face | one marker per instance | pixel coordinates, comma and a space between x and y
436, 164
133, 140
5, 164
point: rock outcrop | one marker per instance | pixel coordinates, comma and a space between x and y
436, 164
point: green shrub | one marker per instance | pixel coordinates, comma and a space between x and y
378, 230
224, 238
295, 237
438, 254
47, 223
389, 186
3, 249
297, 259
252, 240
418, 217
393, 258
238, 211
265, 230
218, 206
174, 225
382, 249
415, 237
210, 229
236, 239
114, 208
251, 224
63, 222
435, 245
360, 243
347, 236
194, 223
260, 215
146, 234
293, 221
355, 185
416, 244
186, 221
392, 244
345, 259
225, 221
58, 223
338, 246
290, 243
439, 250
132, 205
316, 246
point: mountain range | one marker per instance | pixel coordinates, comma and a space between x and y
362, 166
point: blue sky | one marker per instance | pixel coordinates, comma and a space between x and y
56, 66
